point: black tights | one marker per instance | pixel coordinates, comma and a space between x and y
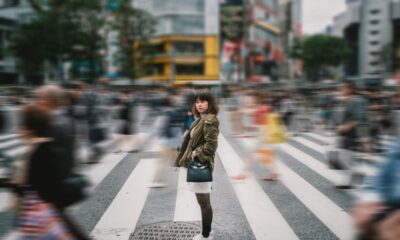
206, 212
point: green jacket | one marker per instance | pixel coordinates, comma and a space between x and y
204, 141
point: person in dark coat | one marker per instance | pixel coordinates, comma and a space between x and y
126, 133
40, 174
62, 133
52, 98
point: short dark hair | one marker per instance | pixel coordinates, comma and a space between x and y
205, 95
37, 120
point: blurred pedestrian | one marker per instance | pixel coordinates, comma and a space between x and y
353, 136
170, 136
62, 132
271, 132
201, 143
235, 110
38, 181
377, 214
188, 95
53, 99
126, 133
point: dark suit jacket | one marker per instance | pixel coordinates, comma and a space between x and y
63, 134
45, 172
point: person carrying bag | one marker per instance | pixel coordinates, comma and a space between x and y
37, 183
197, 153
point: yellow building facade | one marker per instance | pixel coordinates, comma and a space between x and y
186, 42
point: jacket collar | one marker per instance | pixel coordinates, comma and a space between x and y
209, 117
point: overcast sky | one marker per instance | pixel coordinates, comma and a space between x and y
317, 14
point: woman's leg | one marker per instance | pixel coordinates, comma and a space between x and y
206, 212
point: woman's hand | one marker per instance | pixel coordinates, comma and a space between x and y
194, 154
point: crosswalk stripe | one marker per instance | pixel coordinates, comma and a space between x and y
11, 143
328, 140
103, 168
257, 206
334, 217
186, 207
367, 169
4, 201
8, 137
120, 219
312, 163
310, 144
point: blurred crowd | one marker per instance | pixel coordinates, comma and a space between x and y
56, 122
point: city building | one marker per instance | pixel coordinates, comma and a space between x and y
371, 28
186, 41
263, 46
290, 19
233, 28
253, 53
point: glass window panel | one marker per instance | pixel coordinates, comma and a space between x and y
197, 69
178, 6
188, 24
188, 47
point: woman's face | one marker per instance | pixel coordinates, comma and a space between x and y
201, 105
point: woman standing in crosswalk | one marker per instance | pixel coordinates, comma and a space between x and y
201, 142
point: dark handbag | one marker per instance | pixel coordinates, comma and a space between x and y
74, 189
199, 172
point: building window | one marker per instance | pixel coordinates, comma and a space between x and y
157, 49
154, 69
175, 6
374, 43
374, 63
374, 22
188, 24
375, 11
265, 35
195, 69
374, 32
188, 47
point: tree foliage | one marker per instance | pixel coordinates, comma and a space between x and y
62, 30
319, 52
134, 27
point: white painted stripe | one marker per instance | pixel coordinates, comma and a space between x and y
312, 163
186, 207
121, 217
17, 152
5, 200
311, 144
11, 143
328, 140
12, 236
103, 168
333, 216
8, 136
264, 218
